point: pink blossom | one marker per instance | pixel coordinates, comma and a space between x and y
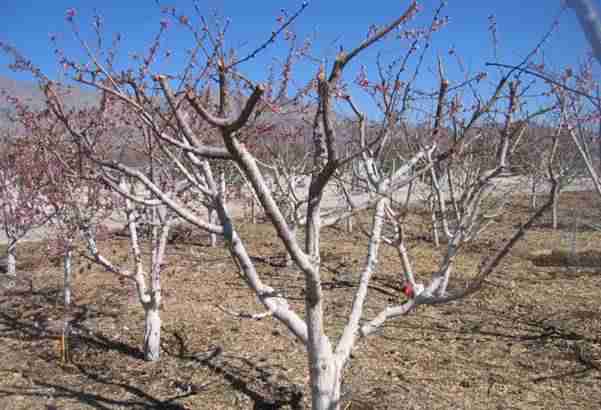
70, 14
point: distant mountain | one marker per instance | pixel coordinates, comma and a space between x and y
32, 95
25, 90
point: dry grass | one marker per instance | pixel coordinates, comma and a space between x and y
529, 340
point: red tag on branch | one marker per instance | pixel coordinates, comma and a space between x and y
407, 289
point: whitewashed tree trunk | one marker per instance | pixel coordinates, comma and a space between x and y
533, 197
11, 258
213, 219
253, 211
434, 219
324, 374
349, 221
152, 320
555, 208
326, 384
67, 275
152, 332
289, 262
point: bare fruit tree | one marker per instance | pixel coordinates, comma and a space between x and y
149, 221
77, 199
22, 193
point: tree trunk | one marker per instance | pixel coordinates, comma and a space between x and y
289, 261
11, 258
67, 277
533, 194
555, 209
349, 222
253, 211
435, 236
326, 383
213, 219
67, 265
152, 333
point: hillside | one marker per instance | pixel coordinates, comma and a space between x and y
32, 95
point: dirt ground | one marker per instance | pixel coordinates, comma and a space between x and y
529, 340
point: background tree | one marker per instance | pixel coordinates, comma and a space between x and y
23, 189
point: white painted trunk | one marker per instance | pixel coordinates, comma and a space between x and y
533, 194
152, 334
435, 235
289, 262
67, 258
325, 385
442, 290
213, 219
11, 259
555, 209
349, 222
253, 212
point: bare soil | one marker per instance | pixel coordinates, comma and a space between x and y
529, 340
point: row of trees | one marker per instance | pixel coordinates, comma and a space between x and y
207, 132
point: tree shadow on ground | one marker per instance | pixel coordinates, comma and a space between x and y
28, 316
264, 385
80, 335
42, 388
551, 336
23, 326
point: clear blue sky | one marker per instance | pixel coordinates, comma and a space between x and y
520, 24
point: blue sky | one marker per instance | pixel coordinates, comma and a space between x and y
520, 25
